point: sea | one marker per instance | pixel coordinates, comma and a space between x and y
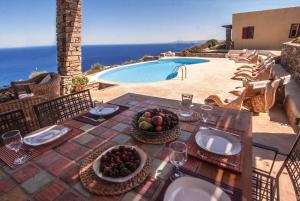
18, 63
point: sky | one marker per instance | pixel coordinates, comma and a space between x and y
32, 22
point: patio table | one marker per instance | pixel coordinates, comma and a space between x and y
54, 175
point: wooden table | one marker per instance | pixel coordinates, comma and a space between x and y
54, 174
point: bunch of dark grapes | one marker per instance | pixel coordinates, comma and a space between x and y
120, 162
169, 122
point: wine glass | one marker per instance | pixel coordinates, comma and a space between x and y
178, 157
98, 104
186, 105
205, 112
13, 140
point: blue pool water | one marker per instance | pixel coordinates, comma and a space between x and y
147, 72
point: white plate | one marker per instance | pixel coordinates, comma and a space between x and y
218, 142
45, 135
107, 110
96, 165
194, 189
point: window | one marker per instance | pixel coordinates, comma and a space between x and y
294, 31
248, 33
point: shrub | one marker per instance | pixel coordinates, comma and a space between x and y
95, 68
208, 44
80, 80
296, 40
36, 73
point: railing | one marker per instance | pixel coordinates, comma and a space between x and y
183, 71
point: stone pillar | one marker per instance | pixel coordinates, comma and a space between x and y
68, 37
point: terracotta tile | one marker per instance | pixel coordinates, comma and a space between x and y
149, 187
109, 123
74, 123
128, 120
6, 184
14, 195
47, 159
109, 134
37, 182
98, 130
129, 113
96, 142
163, 154
119, 118
73, 150
25, 173
50, 192
70, 196
71, 174
104, 198
57, 167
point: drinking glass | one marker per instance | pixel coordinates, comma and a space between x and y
206, 112
13, 140
186, 105
178, 157
98, 104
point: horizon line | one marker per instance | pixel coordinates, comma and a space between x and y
108, 44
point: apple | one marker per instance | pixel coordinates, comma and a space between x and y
148, 119
161, 114
145, 125
157, 120
147, 115
141, 119
158, 128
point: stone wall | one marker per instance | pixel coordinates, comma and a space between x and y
68, 36
202, 54
290, 59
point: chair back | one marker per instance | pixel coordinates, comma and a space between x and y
62, 108
270, 94
292, 165
13, 120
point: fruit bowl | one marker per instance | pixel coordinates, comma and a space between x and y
107, 163
153, 122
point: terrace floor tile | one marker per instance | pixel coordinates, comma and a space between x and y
25, 173
50, 192
14, 195
120, 139
35, 183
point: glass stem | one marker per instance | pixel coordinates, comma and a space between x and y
176, 170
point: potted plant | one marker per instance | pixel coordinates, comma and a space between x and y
79, 82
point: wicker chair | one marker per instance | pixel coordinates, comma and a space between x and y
13, 120
33, 85
235, 103
26, 105
62, 108
265, 186
264, 101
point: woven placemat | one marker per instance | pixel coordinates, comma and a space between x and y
8, 156
233, 163
101, 187
194, 117
157, 139
94, 120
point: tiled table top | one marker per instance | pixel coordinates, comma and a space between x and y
54, 175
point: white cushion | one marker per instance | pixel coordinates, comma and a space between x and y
45, 79
21, 96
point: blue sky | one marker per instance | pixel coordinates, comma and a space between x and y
32, 22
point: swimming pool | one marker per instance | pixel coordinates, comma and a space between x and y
146, 72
